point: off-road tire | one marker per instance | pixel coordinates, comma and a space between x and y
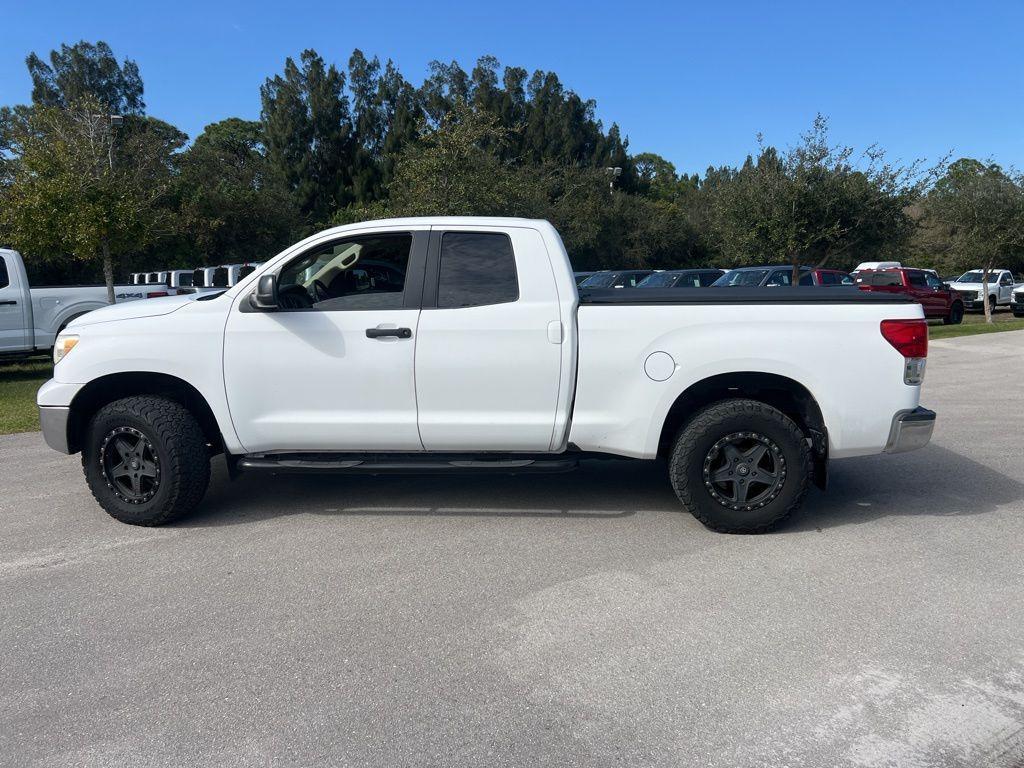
697, 438
180, 451
955, 316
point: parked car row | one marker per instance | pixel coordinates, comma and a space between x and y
193, 280
945, 300
751, 277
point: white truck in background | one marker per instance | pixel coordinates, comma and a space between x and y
31, 318
463, 345
971, 287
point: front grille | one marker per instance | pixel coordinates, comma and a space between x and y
968, 295
1018, 297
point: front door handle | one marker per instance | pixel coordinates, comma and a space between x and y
377, 333
5, 303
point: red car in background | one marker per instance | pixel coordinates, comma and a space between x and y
938, 299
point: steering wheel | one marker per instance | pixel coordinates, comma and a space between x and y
294, 297
320, 290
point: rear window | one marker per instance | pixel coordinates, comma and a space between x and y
477, 269
199, 278
600, 280
220, 277
246, 270
917, 279
884, 279
185, 279
708, 278
5, 278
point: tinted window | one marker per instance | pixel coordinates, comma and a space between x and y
806, 279
884, 279
477, 268
781, 277
600, 280
917, 279
220, 277
5, 279
245, 270
828, 278
707, 278
185, 279
933, 281
354, 273
741, 277
199, 278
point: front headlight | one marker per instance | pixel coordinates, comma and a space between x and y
64, 344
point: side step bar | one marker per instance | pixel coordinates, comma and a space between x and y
380, 464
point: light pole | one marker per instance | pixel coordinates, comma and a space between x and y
614, 173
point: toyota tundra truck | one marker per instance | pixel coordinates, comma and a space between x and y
463, 345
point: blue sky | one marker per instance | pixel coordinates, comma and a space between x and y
694, 82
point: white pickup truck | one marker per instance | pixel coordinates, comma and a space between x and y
970, 286
31, 318
462, 344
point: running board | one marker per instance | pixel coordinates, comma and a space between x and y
381, 464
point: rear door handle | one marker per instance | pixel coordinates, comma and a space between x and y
5, 303
377, 333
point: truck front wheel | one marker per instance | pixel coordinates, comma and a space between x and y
740, 466
145, 459
956, 314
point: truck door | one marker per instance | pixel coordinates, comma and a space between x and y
488, 355
332, 368
15, 335
1005, 287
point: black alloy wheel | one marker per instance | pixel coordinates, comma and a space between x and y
130, 465
744, 470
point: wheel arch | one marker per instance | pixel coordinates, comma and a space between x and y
106, 389
781, 392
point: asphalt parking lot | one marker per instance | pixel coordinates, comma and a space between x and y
562, 620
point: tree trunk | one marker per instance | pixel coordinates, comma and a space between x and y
796, 270
108, 271
984, 296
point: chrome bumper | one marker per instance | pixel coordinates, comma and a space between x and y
910, 430
54, 420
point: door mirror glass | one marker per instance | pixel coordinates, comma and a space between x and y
265, 295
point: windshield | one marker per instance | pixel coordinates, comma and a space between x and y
736, 277
975, 277
601, 280
659, 280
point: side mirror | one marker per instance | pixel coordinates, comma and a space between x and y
947, 287
265, 295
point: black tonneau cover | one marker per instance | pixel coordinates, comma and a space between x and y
741, 295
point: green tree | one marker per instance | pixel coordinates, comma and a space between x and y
86, 71
456, 169
980, 209
308, 136
226, 206
812, 204
82, 186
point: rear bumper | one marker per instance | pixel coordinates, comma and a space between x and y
54, 420
910, 430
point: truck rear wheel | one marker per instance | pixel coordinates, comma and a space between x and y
955, 316
740, 466
145, 460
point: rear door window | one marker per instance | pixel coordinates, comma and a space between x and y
780, 277
476, 269
917, 279
5, 278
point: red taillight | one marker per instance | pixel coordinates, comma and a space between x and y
909, 337
158, 294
